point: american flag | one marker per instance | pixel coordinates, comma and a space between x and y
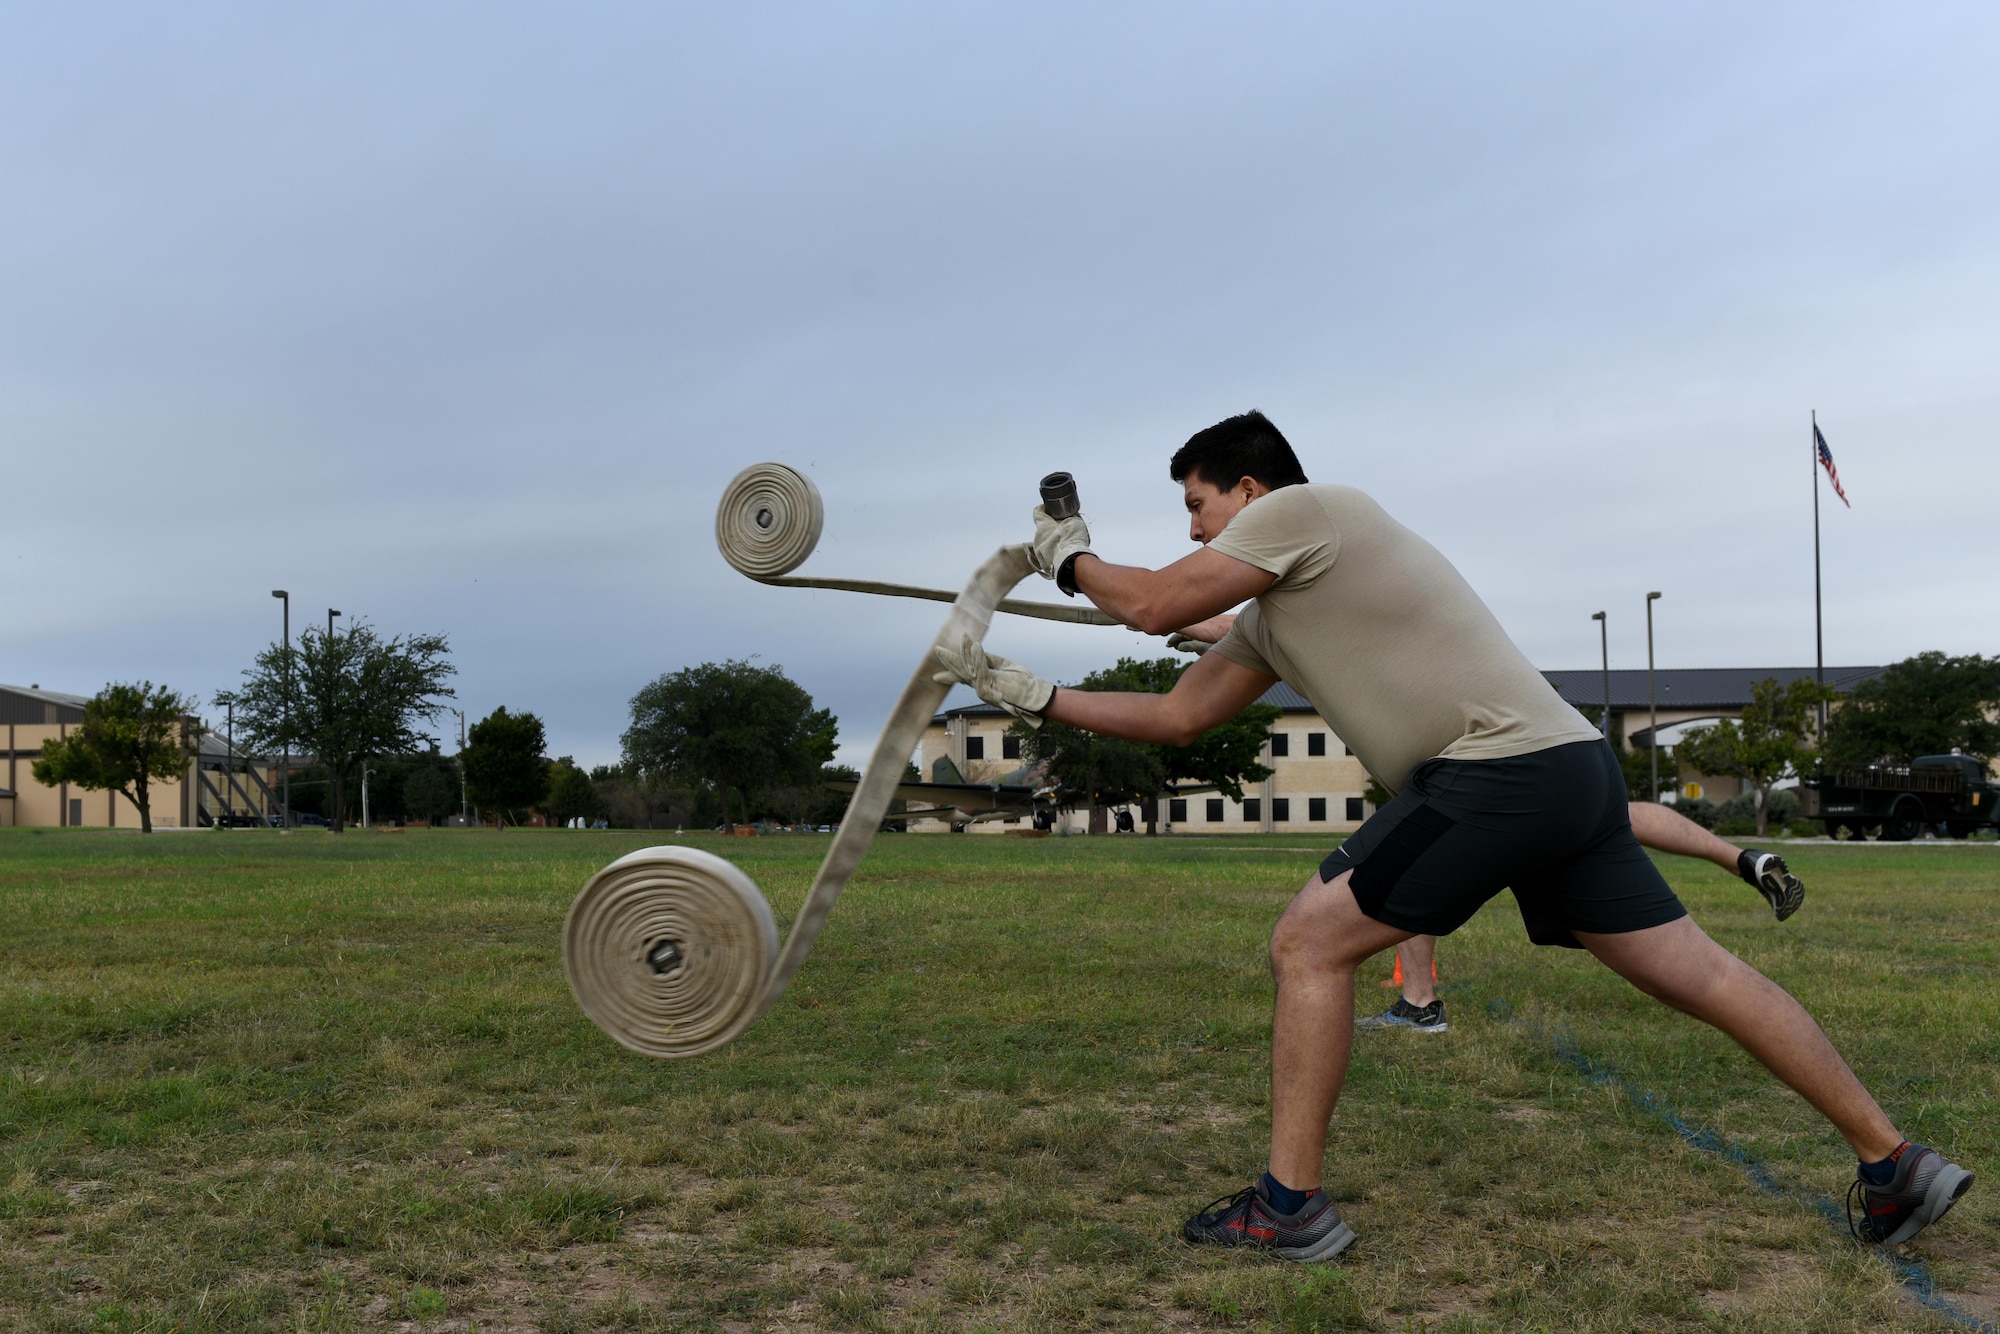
1826, 462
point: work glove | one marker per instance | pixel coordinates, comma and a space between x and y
1181, 643
1057, 543
994, 679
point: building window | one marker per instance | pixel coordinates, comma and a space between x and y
1281, 808
1281, 743
1315, 743
975, 748
1010, 748
1253, 810
1215, 810
1177, 810
1315, 808
1354, 811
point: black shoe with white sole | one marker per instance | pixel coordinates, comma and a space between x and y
1416, 1018
1767, 873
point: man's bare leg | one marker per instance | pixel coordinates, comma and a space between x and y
1679, 965
1653, 824
1418, 956
1317, 946
1664, 828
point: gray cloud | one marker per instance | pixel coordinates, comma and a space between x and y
460, 319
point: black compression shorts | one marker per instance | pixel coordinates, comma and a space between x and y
1552, 826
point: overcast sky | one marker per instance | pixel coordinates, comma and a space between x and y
459, 318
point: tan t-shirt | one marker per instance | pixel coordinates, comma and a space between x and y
1374, 626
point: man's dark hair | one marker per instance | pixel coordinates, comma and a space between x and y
1235, 448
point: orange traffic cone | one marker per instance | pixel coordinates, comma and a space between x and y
1397, 980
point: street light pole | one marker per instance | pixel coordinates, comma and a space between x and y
338, 817
462, 808
1604, 644
1652, 702
286, 800
365, 771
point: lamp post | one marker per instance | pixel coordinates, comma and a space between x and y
1604, 646
229, 767
365, 771
1652, 702
462, 809
330, 614
285, 802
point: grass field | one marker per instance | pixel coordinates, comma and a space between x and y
318, 1083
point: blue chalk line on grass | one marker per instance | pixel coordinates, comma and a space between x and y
1912, 1275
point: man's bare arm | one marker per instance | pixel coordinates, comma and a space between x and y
1212, 630
1192, 589
1210, 692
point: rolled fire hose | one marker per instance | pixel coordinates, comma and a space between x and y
770, 519
673, 951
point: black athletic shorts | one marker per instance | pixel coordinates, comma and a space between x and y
1551, 826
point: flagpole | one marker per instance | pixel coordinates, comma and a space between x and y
1819, 623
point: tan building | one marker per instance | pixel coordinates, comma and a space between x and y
221, 787
1316, 784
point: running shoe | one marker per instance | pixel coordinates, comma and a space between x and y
1924, 1188
1767, 873
1420, 1019
1246, 1218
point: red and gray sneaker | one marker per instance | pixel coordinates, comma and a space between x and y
1924, 1187
1767, 873
1246, 1218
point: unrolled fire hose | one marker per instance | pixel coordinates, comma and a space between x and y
673, 951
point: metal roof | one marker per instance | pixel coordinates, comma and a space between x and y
32, 706
1692, 687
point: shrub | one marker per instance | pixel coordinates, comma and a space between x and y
1700, 810
1738, 815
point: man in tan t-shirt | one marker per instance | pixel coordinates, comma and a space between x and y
1499, 785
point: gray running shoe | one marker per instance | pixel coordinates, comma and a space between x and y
1247, 1219
1420, 1019
1925, 1186
1767, 873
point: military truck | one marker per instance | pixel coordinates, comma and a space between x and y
1896, 803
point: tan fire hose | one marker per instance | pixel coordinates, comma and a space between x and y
672, 951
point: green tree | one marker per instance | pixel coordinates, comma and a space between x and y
1636, 763
1926, 705
731, 726
131, 737
343, 698
1375, 794
431, 790
1773, 740
504, 768
1108, 771
571, 793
